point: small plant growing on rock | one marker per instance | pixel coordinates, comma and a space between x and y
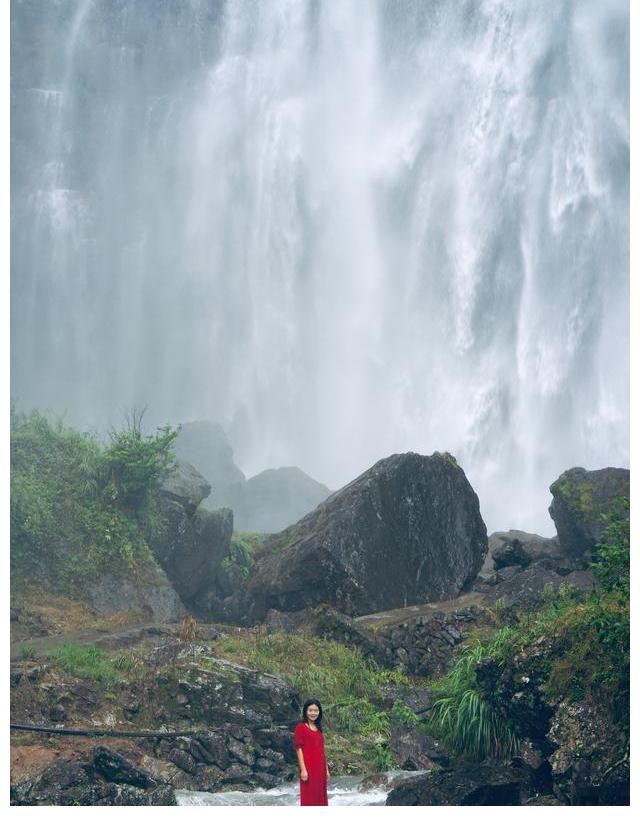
188, 630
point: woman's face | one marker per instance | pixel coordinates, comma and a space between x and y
313, 712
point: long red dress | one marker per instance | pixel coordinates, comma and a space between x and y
313, 792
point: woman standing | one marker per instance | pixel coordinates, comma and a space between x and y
308, 740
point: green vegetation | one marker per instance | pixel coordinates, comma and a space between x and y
584, 640
79, 508
241, 554
349, 685
577, 494
462, 716
84, 661
612, 557
92, 663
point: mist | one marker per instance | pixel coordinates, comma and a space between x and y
342, 230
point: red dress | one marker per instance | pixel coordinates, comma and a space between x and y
313, 792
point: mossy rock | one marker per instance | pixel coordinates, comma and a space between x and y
580, 499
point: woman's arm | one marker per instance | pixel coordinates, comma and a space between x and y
303, 769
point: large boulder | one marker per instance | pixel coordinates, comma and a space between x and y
105, 781
580, 498
518, 548
466, 785
191, 549
274, 499
186, 486
408, 530
524, 589
205, 445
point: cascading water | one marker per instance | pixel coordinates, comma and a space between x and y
341, 229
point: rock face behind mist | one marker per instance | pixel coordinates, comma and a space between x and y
205, 446
580, 497
274, 499
406, 531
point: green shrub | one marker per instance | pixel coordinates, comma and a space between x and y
240, 556
136, 464
611, 562
462, 716
401, 714
78, 508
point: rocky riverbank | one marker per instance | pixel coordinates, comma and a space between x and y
497, 665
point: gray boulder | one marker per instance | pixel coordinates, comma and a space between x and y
158, 600
524, 588
191, 549
408, 530
467, 785
507, 548
580, 498
186, 486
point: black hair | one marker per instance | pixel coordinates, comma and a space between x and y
312, 702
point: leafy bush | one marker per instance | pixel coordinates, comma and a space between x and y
78, 508
136, 464
240, 556
611, 560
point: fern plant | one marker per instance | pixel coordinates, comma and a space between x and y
462, 717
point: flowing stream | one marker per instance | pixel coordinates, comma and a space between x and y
341, 229
342, 791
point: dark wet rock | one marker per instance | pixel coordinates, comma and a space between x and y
270, 761
192, 548
580, 498
183, 759
236, 773
426, 645
524, 588
77, 783
214, 745
406, 531
57, 713
415, 750
584, 771
509, 549
516, 689
241, 752
118, 769
186, 486
466, 785
327, 623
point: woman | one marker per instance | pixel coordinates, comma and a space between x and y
308, 740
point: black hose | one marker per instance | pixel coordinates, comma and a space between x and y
96, 732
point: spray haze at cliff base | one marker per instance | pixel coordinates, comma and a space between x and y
340, 232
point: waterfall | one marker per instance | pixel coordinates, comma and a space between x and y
341, 229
